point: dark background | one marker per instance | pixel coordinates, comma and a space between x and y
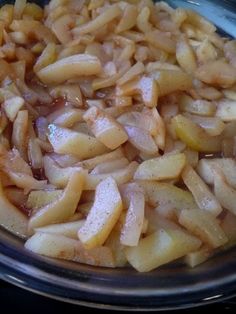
14, 298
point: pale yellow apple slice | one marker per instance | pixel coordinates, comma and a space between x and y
40, 198
12, 218
65, 141
167, 194
103, 215
133, 224
204, 225
205, 199
161, 247
67, 229
105, 128
161, 168
64, 206
59, 246
69, 68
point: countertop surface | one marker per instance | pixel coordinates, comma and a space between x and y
16, 298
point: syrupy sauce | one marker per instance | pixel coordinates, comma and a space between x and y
210, 155
25, 210
39, 174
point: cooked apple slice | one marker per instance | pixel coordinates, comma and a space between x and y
218, 73
141, 139
132, 228
113, 242
93, 162
229, 226
224, 192
227, 165
165, 193
161, 247
204, 225
56, 175
121, 176
198, 257
110, 13
205, 199
161, 168
145, 86
195, 136
67, 229
110, 166
185, 55
59, 246
12, 106
226, 110
65, 141
12, 218
170, 81
103, 215
105, 128
48, 56
69, 68
38, 199
63, 207
199, 106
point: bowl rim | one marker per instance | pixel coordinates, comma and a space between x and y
105, 289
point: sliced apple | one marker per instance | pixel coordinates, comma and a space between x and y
195, 136
103, 215
161, 168
59, 246
121, 176
56, 175
165, 193
205, 199
204, 225
105, 128
227, 165
226, 110
93, 162
224, 192
65, 141
12, 218
40, 198
12, 106
63, 207
67, 229
198, 257
133, 224
160, 248
69, 68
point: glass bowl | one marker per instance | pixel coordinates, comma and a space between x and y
170, 287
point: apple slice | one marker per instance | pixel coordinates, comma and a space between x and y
12, 218
161, 168
194, 136
103, 215
167, 194
65, 141
134, 219
224, 192
205, 199
59, 246
67, 229
204, 225
38, 199
161, 247
64, 206
105, 128
69, 68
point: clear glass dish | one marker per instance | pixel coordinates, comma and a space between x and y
170, 287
